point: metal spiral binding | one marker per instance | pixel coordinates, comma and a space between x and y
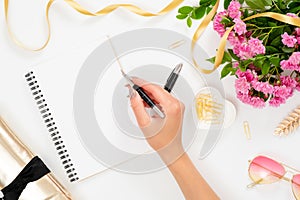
51, 127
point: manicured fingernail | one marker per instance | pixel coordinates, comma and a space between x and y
131, 92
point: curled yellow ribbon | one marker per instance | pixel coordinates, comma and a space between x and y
201, 28
220, 53
83, 11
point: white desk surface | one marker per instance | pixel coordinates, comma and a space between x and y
225, 168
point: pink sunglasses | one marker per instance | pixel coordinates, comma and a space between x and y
264, 170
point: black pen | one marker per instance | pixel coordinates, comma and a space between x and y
144, 96
137, 88
173, 78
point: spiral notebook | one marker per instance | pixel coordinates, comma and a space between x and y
51, 85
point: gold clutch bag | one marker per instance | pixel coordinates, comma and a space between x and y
14, 155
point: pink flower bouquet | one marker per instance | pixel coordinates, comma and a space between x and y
264, 54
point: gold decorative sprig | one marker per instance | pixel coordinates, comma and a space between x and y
289, 124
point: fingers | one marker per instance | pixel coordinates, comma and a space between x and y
159, 95
142, 117
170, 105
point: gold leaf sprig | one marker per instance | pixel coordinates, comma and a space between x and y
289, 124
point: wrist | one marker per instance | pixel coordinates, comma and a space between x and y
181, 163
171, 155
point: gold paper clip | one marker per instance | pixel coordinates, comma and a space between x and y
247, 130
177, 44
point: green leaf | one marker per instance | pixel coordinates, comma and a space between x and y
212, 60
295, 9
281, 5
276, 42
288, 30
226, 3
226, 21
226, 70
241, 1
204, 2
286, 49
193, 15
235, 57
181, 16
259, 63
242, 67
271, 50
185, 9
274, 34
226, 58
208, 9
267, 2
189, 22
213, 2
275, 61
256, 4
265, 67
244, 64
200, 12
272, 24
246, 13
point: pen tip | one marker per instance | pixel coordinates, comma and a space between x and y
123, 73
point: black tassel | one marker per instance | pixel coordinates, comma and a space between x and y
33, 171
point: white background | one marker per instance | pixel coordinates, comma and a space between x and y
225, 168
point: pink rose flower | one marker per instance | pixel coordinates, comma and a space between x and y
257, 102
288, 40
245, 98
295, 58
292, 15
218, 26
297, 30
256, 46
276, 101
283, 91
248, 74
242, 85
288, 81
235, 64
254, 101
293, 63
245, 51
249, 49
234, 9
285, 64
240, 26
264, 87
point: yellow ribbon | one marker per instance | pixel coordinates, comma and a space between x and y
220, 53
201, 28
134, 9
83, 11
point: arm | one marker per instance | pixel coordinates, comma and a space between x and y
190, 181
164, 136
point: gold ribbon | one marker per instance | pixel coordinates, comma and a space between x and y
80, 9
201, 28
220, 53
134, 9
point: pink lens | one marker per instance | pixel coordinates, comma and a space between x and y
296, 186
263, 170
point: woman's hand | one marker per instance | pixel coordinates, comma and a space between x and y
163, 135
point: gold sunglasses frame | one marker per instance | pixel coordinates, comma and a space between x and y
293, 171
